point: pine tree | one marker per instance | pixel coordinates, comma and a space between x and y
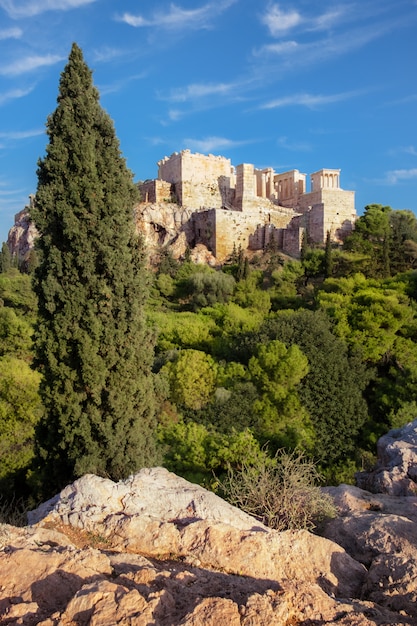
92, 344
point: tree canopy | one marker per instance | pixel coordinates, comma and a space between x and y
92, 344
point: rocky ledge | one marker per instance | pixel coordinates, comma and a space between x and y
156, 550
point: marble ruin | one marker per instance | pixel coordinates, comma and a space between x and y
252, 208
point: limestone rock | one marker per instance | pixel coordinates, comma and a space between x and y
379, 531
161, 223
47, 580
22, 235
396, 471
157, 513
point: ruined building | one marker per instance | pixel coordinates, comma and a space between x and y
200, 199
227, 206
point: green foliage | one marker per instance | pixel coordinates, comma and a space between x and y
277, 371
5, 258
192, 378
15, 334
313, 263
183, 330
282, 492
286, 281
208, 288
194, 451
367, 313
92, 343
388, 239
332, 390
16, 292
165, 284
20, 411
248, 294
328, 257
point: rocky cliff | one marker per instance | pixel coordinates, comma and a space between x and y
162, 225
157, 550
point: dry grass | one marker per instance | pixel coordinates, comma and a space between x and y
283, 492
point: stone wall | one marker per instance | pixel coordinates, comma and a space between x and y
198, 180
221, 230
245, 206
156, 191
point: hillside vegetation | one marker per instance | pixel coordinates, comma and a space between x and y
254, 358
107, 366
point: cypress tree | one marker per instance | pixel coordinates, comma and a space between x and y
5, 258
91, 341
328, 257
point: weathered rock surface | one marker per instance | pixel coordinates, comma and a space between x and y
156, 550
396, 471
158, 514
22, 235
47, 580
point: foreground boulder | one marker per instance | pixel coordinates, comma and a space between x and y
396, 470
157, 550
158, 514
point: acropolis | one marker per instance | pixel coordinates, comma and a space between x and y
243, 206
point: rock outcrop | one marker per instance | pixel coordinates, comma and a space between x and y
157, 550
396, 470
22, 235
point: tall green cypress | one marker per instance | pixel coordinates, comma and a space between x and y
92, 343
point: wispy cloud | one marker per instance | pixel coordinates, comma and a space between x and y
347, 29
10, 33
14, 94
119, 85
308, 100
210, 144
198, 90
177, 18
294, 146
107, 53
403, 150
23, 134
27, 64
279, 21
17, 9
393, 177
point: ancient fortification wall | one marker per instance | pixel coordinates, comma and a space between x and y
198, 181
247, 206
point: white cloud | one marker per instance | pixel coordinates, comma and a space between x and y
308, 100
210, 144
11, 33
24, 134
17, 9
28, 64
14, 94
328, 20
278, 21
178, 18
199, 90
395, 176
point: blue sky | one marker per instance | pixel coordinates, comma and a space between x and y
290, 85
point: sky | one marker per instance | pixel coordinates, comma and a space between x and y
289, 85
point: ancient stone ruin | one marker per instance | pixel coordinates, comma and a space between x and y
203, 202
253, 208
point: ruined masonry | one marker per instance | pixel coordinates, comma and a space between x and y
254, 208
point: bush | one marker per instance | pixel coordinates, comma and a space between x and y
281, 492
